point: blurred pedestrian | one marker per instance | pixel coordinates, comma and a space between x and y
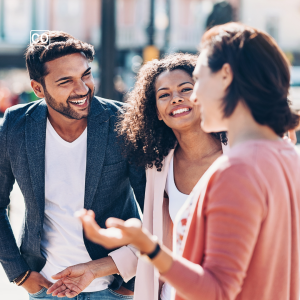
243, 233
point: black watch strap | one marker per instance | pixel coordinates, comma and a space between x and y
155, 252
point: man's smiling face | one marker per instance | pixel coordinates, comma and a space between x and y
69, 86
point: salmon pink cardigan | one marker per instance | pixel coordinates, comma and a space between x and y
243, 234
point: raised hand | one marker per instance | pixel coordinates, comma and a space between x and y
118, 233
72, 281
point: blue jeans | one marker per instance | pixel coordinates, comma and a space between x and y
107, 294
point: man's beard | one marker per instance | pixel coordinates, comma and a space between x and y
67, 110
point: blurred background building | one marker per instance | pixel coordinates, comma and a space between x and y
173, 25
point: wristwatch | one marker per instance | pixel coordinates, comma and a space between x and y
154, 253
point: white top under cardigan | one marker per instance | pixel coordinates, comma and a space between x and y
176, 201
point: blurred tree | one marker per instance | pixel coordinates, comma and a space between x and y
222, 13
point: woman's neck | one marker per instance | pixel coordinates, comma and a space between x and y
242, 127
194, 145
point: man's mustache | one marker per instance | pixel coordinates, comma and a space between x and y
79, 96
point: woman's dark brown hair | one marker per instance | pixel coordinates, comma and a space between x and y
261, 76
147, 140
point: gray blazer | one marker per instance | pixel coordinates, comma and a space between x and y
109, 186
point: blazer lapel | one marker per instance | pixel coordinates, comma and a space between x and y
97, 136
35, 137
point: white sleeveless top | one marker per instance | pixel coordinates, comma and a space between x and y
176, 201
176, 198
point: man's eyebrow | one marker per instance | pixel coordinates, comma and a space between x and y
87, 70
69, 77
63, 78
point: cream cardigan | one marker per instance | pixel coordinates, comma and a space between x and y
157, 220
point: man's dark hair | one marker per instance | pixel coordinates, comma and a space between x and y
59, 44
261, 75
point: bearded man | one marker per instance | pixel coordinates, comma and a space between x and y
63, 152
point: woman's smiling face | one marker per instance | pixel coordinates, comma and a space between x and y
173, 91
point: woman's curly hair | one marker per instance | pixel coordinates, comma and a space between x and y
146, 139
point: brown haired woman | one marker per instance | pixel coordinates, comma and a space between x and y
243, 234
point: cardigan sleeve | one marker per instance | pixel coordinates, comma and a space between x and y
126, 261
233, 212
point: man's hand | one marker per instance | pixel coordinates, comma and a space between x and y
35, 282
72, 281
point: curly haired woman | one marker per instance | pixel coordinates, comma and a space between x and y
161, 132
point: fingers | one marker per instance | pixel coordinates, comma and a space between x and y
55, 287
117, 223
91, 228
46, 283
61, 289
83, 212
71, 294
62, 294
42, 281
91, 213
66, 272
57, 290
70, 291
114, 222
80, 213
133, 223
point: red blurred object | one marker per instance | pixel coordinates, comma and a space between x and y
7, 99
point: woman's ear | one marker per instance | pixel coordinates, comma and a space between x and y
227, 75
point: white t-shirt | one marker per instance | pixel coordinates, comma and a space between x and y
62, 240
176, 201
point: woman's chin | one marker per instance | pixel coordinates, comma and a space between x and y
204, 126
208, 128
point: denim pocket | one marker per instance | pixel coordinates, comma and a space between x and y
120, 295
38, 293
